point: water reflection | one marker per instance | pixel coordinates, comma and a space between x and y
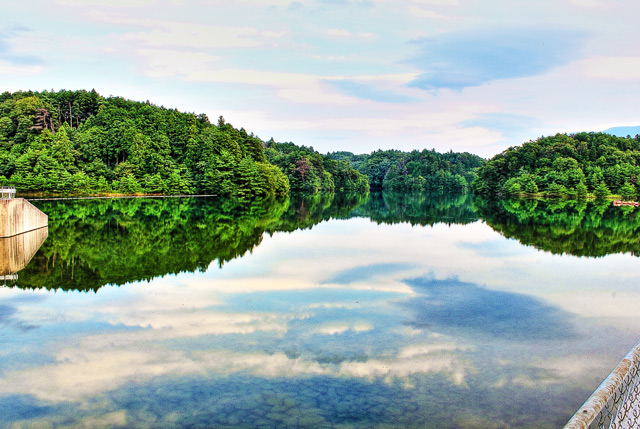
418, 209
99, 242
16, 252
320, 311
575, 227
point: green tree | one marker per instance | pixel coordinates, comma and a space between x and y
628, 191
601, 191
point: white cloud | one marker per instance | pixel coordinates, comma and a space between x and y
113, 4
436, 2
340, 328
365, 35
589, 4
13, 69
343, 33
615, 68
195, 36
168, 63
426, 13
336, 32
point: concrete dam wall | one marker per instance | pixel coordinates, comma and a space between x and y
18, 215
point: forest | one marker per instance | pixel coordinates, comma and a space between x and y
416, 171
310, 171
576, 165
78, 142
81, 143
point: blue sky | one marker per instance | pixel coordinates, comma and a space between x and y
466, 75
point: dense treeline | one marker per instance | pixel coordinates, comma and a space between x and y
80, 142
417, 171
565, 165
309, 171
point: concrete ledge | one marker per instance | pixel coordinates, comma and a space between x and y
18, 216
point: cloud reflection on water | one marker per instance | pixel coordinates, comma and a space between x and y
452, 306
316, 317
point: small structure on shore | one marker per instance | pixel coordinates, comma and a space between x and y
619, 203
7, 192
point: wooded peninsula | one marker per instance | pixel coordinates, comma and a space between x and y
81, 143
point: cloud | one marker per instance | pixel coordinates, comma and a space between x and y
336, 32
470, 58
612, 68
436, 2
425, 13
507, 124
167, 63
12, 58
110, 4
366, 3
589, 4
342, 33
500, 120
367, 272
370, 92
196, 36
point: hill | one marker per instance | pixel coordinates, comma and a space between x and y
82, 143
623, 131
565, 165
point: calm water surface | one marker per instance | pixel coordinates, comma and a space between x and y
331, 311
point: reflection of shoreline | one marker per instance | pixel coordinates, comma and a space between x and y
17, 251
585, 228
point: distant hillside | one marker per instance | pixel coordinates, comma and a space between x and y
419, 171
565, 165
310, 171
623, 131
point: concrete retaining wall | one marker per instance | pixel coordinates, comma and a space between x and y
18, 215
17, 251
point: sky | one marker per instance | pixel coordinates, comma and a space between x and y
356, 75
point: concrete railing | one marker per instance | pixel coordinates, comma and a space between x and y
615, 404
7, 192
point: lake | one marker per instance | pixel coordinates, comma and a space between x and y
325, 311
